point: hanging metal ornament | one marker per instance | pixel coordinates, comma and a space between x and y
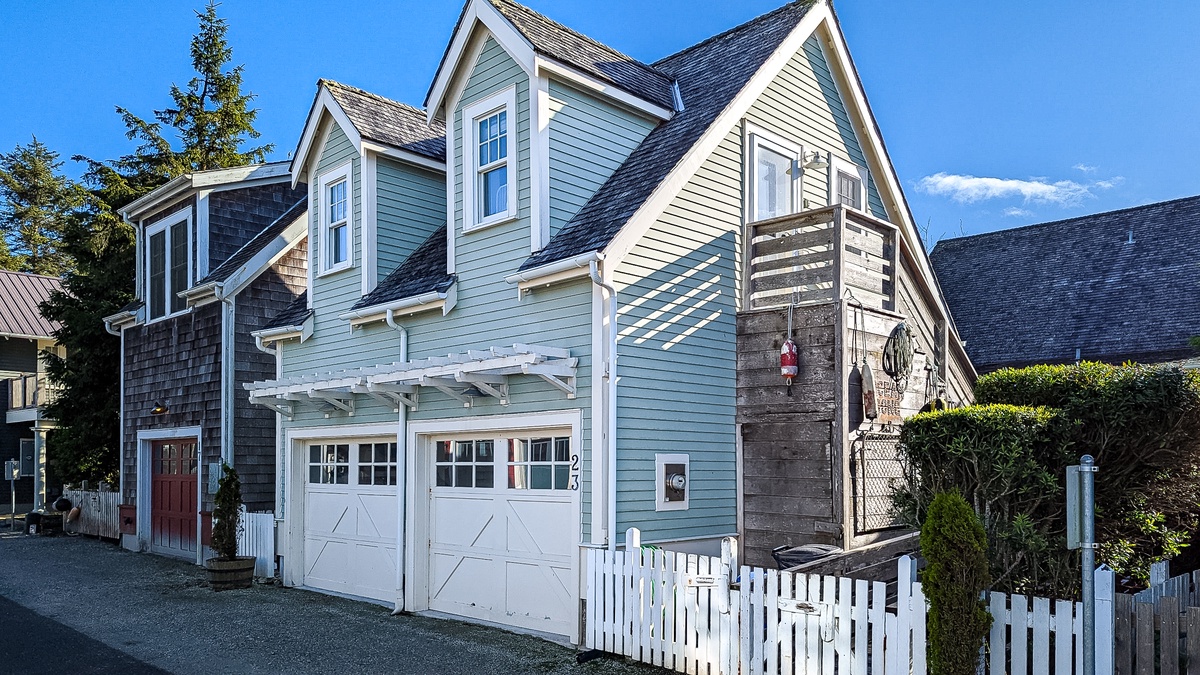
898, 355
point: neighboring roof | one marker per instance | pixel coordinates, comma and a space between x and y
292, 315
256, 244
424, 271
710, 75
200, 179
20, 295
1035, 294
552, 39
390, 122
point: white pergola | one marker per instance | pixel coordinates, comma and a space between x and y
463, 377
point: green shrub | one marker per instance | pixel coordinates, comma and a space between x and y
227, 514
955, 549
1142, 425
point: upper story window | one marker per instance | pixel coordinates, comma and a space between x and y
773, 179
848, 184
335, 237
489, 196
168, 254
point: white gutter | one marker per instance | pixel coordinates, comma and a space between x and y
389, 309
401, 465
610, 406
227, 360
587, 260
258, 342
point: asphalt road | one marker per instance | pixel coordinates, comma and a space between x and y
76, 605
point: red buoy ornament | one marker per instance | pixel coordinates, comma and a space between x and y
789, 362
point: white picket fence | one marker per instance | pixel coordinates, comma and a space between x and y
257, 538
686, 613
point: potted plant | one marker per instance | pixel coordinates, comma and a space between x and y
228, 570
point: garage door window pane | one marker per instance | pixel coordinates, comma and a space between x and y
465, 464
374, 467
329, 464
539, 463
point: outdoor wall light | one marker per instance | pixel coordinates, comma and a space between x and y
816, 162
160, 408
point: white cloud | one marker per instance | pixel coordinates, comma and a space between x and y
1086, 168
969, 189
1110, 183
1014, 212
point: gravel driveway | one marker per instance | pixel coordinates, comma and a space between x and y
160, 612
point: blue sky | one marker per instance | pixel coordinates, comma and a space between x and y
995, 114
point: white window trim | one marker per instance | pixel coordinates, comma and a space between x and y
505, 100
838, 164
329, 178
164, 225
756, 138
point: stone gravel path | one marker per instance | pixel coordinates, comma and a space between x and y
159, 612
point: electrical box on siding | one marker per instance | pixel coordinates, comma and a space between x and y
28, 462
672, 480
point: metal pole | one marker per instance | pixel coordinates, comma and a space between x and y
12, 518
1087, 471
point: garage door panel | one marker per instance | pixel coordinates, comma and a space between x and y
326, 560
377, 516
537, 528
552, 604
462, 583
466, 523
374, 568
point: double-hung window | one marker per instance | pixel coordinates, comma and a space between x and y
489, 153
336, 234
848, 184
168, 272
773, 178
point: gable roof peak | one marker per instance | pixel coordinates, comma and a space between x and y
803, 5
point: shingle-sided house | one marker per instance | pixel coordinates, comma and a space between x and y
219, 253
24, 334
550, 306
1112, 287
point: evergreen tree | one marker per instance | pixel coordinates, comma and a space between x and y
212, 121
36, 202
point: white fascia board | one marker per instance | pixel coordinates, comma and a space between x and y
168, 192
300, 332
223, 179
325, 103
478, 12
213, 177
293, 234
624, 99
404, 156
405, 306
661, 198
579, 265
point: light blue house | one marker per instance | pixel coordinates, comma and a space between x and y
520, 336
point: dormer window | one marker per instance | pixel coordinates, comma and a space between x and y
489, 161
336, 235
168, 252
848, 185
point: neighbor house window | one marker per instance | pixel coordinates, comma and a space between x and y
168, 272
848, 185
489, 153
773, 178
335, 236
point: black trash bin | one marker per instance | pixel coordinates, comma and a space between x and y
43, 522
33, 522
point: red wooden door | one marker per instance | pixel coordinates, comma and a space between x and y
173, 503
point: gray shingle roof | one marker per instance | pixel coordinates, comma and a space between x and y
565, 45
710, 75
256, 244
292, 315
424, 271
1036, 294
390, 122
20, 295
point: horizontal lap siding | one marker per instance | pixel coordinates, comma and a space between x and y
677, 356
411, 206
589, 139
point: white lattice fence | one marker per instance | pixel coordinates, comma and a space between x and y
257, 538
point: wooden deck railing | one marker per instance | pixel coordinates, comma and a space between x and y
820, 256
29, 391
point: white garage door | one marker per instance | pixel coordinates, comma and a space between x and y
350, 518
503, 530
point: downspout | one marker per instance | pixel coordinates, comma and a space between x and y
401, 466
610, 406
227, 359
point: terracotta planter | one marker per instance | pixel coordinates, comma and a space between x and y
224, 575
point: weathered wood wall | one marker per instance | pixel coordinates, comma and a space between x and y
788, 456
254, 426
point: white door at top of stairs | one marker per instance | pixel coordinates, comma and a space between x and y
503, 528
350, 517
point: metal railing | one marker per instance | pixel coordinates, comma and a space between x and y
817, 256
